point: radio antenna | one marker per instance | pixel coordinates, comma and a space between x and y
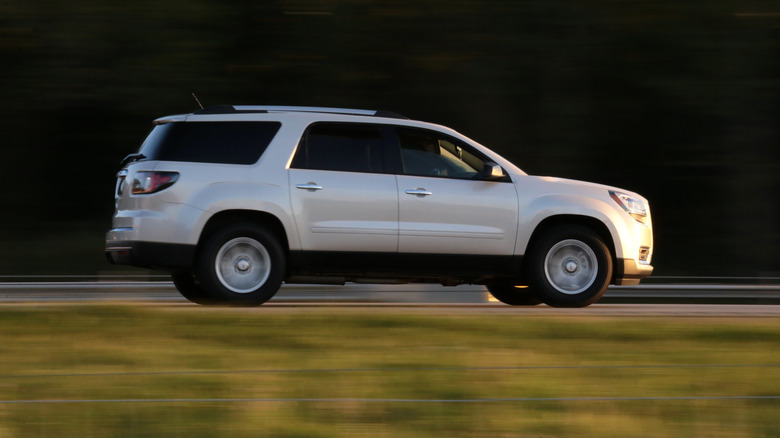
196, 100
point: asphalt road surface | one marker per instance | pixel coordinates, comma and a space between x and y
672, 299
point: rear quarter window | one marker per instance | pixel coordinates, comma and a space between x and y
210, 142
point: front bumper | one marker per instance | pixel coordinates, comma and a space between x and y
629, 272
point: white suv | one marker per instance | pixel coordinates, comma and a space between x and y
235, 200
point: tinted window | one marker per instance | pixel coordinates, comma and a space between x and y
210, 142
429, 153
341, 147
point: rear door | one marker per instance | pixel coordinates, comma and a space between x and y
341, 196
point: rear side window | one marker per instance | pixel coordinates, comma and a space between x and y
209, 142
341, 147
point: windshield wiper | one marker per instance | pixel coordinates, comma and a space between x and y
131, 158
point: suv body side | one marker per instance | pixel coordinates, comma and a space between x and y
387, 234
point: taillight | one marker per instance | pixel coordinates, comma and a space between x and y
145, 183
120, 182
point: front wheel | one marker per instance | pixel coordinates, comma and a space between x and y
569, 267
241, 265
508, 293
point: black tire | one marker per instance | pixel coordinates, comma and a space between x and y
507, 293
241, 265
569, 266
189, 288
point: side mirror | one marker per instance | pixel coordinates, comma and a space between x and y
492, 172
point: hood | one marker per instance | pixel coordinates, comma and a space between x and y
582, 185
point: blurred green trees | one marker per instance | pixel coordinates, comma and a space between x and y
679, 101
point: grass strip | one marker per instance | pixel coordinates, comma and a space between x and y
124, 370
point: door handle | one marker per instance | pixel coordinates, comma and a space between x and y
419, 192
310, 186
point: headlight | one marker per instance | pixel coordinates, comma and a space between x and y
631, 204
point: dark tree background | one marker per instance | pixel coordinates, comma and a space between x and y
679, 101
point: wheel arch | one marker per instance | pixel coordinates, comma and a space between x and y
591, 223
265, 219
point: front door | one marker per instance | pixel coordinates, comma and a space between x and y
444, 206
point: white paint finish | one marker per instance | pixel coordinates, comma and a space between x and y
352, 211
459, 217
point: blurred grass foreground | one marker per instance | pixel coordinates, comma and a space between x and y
301, 372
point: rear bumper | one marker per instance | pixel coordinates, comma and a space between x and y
628, 272
155, 255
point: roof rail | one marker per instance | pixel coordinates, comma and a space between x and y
227, 109
223, 109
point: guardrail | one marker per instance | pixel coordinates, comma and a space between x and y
161, 288
125, 277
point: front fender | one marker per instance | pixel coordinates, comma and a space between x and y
533, 213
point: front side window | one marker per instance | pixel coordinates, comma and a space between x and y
428, 153
343, 147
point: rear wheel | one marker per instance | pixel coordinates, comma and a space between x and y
569, 267
189, 288
508, 293
241, 265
